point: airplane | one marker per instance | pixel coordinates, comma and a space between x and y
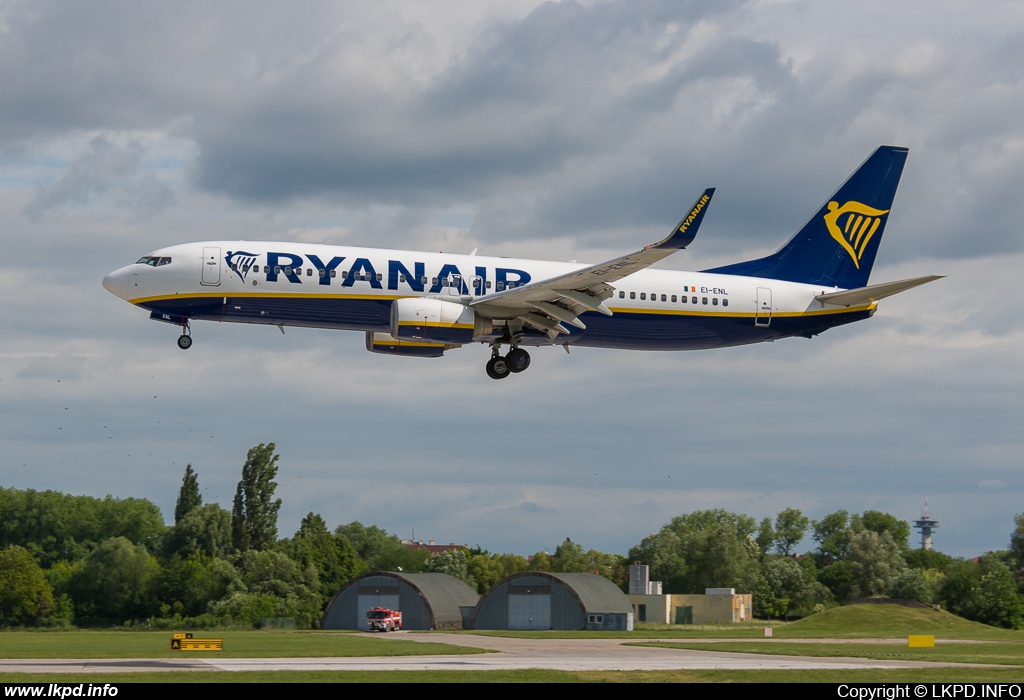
425, 304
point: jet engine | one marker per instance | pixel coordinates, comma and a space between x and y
422, 319
386, 344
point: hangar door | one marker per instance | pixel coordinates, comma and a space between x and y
529, 607
372, 597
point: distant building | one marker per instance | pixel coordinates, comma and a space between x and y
433, 547
640, 583
543, 600
714, 606
427, 601
926, 524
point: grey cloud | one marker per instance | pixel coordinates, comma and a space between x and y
59, 367
105, 171
536, 508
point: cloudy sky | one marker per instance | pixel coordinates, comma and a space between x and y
565, 130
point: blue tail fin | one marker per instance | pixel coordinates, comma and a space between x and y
837, 247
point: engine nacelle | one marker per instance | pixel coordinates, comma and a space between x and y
385, 344
421, 319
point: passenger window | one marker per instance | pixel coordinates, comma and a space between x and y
401, 278
693, 300
704, 301
714, 302
309, 272
423, 280
632, 295
287, 271
622, 295
643, 296
433, 280
664, 298
322, 272
444, 282
380, 276
488, 284
501, 285
266, 268
673, 298
334, 273
725, 302
277, 269
344, 274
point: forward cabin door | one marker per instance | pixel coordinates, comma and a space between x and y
763, 314
211, 266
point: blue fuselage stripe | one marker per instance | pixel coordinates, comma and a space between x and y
633, 330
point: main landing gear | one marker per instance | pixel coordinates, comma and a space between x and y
185, 339
498, 367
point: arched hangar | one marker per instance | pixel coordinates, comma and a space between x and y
541, 600
426, 601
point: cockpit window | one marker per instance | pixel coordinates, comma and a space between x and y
153, 261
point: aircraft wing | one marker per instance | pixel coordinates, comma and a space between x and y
545, 303
874, 292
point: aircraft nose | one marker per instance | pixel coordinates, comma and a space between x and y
117, 283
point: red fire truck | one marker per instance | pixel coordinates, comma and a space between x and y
383, 619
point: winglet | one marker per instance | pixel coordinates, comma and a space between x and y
875, 292
686, 230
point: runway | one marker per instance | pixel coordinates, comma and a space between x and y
509, 654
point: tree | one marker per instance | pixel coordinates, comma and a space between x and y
271, 585
875, 562
790, 526
703, 549
912, 584
381, 551
54, 526
984, 592
877, 521
765, 536
187, 585
330, 555
832, 533
570, 557
25, 596
114, 581
487, 569
254, 516
454, 562
1017, 541
189, 496
206, 529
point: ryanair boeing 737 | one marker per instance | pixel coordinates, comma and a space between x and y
423, 304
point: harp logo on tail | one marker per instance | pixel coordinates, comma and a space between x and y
853, 225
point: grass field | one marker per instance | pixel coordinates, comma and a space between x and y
862, 622
88, 644
846, 622
1004, 653
937, 675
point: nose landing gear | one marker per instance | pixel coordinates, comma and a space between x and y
185, 339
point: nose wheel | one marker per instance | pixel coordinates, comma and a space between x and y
185, 339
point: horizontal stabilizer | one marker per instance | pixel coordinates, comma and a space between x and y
874, 292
